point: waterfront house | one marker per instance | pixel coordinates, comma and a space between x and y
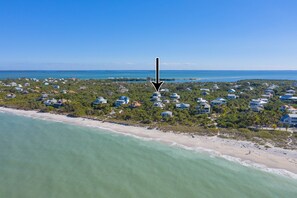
166, 114
218, 101
99, 100
289, 119
50, 102
182, 106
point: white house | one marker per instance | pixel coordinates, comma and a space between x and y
257, 105
182, 106
215, 87
100, 100
201, 100
122, 100
231, 96
291, 91
166, 114
159, 104
175, 96
290, 119
218, 101
50, 102
11, 95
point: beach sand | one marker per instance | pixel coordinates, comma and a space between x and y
273, 159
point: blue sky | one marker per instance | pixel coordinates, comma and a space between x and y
185, 34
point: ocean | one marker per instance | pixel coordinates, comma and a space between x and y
179, 75
40, 158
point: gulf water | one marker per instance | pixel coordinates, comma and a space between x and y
43, 159
179, 75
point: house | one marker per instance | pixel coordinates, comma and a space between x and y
59, 103
135, 104
288, 97
175, 101
204, 93
203, 108
56, 86
164, 90
289, 109
215, 87
166, 101
27, 84
100, 100
267, 95
46, 83
25, 92
294, 84
123, 89
231, 96
18, 88
291, 91
182, 106
204, 89
156, 94
11, 95
64, 91
50, 102
121, 101
175, 96
218, 101
43, 96
289, 119
257, 102
158, 104
257, 108
257, 105
166, 114
201, 100
13, 84
156, 97
231, 91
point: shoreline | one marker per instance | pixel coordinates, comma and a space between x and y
276, 160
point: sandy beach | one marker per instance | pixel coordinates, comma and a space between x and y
274, 159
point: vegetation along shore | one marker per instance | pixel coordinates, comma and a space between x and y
261, 111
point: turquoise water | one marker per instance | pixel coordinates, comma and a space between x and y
48, 159
180, 75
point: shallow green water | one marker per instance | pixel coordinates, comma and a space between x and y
47, 159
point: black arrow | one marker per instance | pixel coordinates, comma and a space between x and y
158, 83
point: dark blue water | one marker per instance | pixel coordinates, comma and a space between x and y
179, 75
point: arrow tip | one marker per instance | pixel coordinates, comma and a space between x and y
157, 85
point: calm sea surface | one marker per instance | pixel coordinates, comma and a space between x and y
179, 75
49, 159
